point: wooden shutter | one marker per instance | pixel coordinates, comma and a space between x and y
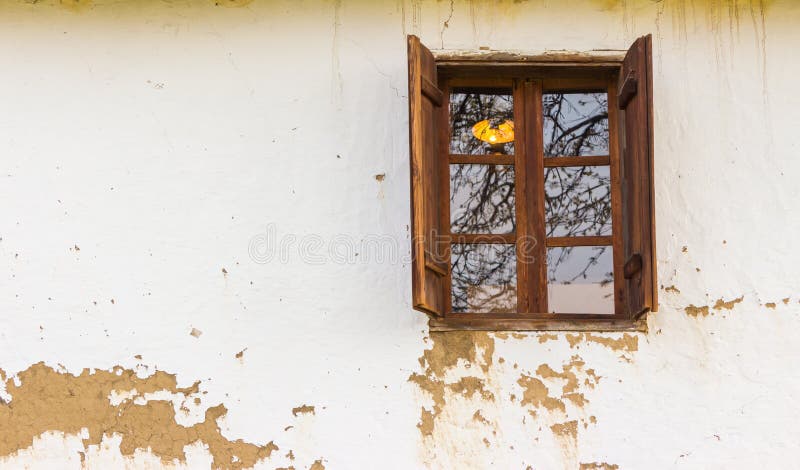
638, 195
429, 269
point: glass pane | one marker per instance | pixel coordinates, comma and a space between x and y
482, 199
575, 124
482, 123
577, 201
580, 279
484, 278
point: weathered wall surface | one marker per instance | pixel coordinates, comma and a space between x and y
149, 148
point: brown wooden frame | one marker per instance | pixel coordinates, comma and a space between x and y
529, 163
529, 77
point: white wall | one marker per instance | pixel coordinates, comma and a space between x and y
162, 138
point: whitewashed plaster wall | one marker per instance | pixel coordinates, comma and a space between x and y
146, 144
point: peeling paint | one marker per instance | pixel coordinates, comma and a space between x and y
303, 409
447, 350
43, 400
469, 386
598, 466
545, 337
568, 429
317, 465
727, 305
536, 394
626, 343
694, 311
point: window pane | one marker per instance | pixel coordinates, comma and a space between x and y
575, 124
580, 279
482, 199
484, 278
482, 123
577, 201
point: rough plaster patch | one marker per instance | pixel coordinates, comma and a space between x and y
625, 343
536, 394
469, 386
317, 465
727, 305
572, 375
447, 350
303, 409
598, 466
693, 311
477, 416
43, 400
567, 430
545, 337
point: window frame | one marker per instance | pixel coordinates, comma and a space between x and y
529, 77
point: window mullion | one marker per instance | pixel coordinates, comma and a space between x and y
531, 265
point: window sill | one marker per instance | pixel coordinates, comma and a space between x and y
453, 323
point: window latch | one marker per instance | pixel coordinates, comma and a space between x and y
632, 266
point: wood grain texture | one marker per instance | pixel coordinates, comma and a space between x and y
535, 322
579, 241
429, 266
550, 162
637, 163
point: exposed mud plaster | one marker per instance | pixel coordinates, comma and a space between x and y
317, 465
727, 305
625, 343
302, 409
426, 422
693, 311
771, 305
43, 399
469, 386
477, 416
705, 310
672, 289
567, 430
538, 396
545, 337
598, 466
448, 349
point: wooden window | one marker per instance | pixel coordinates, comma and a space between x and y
532, 189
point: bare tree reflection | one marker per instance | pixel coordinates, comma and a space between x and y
482, 199
577, 199
564, 268
575, 124
484, 278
